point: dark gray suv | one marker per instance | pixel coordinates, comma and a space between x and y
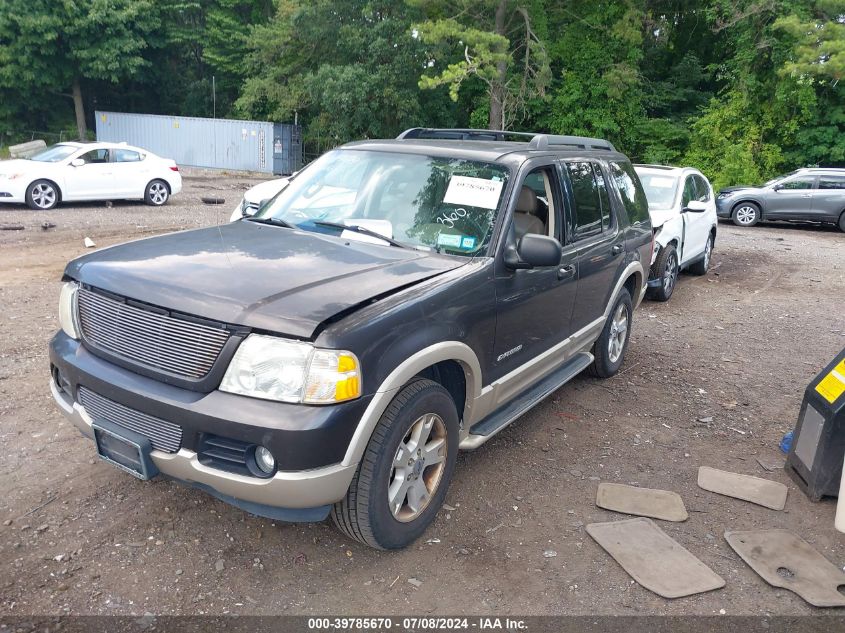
398, 301
805, 195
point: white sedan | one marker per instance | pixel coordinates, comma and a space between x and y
254, 196
683, 216
69, 172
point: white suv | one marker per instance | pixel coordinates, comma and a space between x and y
683, 217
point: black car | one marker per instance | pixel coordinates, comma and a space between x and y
805, 195
398, 301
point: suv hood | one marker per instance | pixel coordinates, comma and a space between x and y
738, 188
264, 277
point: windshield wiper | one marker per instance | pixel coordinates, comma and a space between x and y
362, 231
271, 221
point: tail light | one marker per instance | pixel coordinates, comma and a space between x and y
174, 168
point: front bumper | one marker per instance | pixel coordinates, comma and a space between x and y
724, 207
308, 442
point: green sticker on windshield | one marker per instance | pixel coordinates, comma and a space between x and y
463, 242
449, 239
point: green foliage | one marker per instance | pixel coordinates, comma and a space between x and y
743, 89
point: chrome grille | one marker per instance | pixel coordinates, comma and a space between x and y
164, 436
158, 341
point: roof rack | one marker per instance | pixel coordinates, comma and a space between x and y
535, 139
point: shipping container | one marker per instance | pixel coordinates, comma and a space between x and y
273, 148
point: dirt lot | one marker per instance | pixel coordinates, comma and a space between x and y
737, 346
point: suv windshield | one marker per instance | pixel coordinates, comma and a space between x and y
54, 153
659, 190
447, 204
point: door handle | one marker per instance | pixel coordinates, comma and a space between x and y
807, 195
565, 272
617, 248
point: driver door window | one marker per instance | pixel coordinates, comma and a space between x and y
799, 183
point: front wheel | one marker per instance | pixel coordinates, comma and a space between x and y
746, 214
42, 195
403, 476
609, 349
702, 266
666, 270
156, 193
842, 222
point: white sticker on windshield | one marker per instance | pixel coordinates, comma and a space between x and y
473, 192
661, 182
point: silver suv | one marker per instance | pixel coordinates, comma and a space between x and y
810, 194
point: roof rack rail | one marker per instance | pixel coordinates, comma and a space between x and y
535, 140
464, 134
545, 141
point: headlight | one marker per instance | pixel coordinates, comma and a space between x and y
289, 371
67, 310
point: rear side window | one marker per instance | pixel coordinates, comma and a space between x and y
126, 156
585, 191
633, 196
832, 182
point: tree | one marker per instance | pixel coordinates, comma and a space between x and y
496, 42
55, 46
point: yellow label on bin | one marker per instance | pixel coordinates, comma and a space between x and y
832, 386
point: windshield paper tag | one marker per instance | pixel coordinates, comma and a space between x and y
473, 192
661, 182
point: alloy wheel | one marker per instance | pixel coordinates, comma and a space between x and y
670, 274
708, 250
746, 215
158, 193
618, 333
43, 195
417, 467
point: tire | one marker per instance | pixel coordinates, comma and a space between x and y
667, 268
702, 265
42, 195
366, 514
156, 193
607, 363
842, 222
746, 214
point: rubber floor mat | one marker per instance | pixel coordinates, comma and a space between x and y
654, 559
785, 560
644, 502
763, 492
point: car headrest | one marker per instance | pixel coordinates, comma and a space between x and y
527, 202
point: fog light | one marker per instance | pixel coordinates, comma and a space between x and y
264, 460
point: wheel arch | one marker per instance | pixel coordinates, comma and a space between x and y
450, 363
753, 201
51, 181
164, 180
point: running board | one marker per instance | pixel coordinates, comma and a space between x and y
482, 431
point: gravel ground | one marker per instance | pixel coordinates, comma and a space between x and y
713, 377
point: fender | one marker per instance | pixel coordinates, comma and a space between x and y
639, 281
399, 377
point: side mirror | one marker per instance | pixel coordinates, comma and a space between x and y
77, 162
778, 187
696, 206
538, 251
